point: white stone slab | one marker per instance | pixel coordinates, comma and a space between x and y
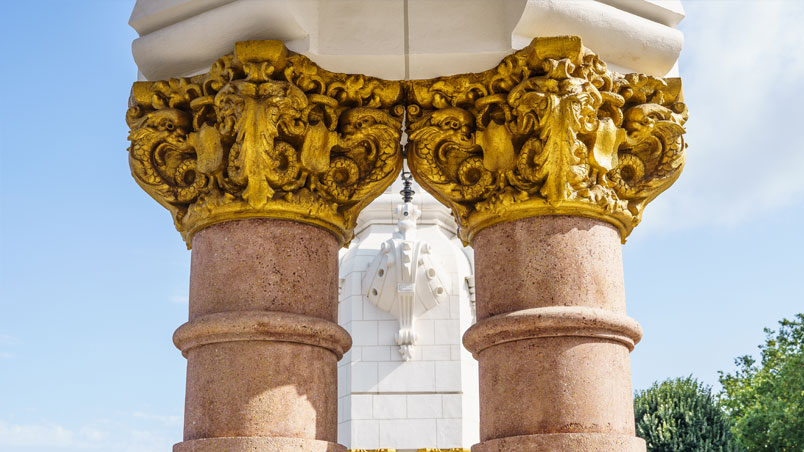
363, 377
406, 433
390, 406
424, 406
448, 376
409, 376
448, 433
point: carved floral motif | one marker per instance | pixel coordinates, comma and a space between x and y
549, 131
265, 134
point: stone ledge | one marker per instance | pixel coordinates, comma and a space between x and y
552, 321
262, 326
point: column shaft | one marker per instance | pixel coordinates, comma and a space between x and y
262, 343
552, 337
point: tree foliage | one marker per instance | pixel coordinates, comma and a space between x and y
682, 415
766, 401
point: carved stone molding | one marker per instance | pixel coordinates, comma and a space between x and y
265, 133
404, 280
549, 131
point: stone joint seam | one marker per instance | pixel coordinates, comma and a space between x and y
262, 326
554, 321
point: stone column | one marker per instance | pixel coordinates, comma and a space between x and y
552, 337
547, 162
264, 163
263, 341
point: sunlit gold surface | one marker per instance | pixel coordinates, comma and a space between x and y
265, 134
549, 131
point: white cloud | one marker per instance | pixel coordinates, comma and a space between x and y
8, 340
48, 435
742, 67
101, 435
180, 299
165, 419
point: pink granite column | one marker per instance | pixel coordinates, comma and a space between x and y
552, 338
262, 342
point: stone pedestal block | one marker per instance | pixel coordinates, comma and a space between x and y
262, 343
552, 338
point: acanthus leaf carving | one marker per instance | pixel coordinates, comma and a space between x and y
265, 134
549, 131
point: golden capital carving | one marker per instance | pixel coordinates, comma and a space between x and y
265, 133
549, 131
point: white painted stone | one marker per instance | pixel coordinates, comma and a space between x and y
344, 435
406, 280
632, 42
452, 405
449, 433
436, 352
378, 353
390, 406
366, 433
446, 331
448, 376
424, 406
407, 376
426, 330
363, 377
343, 380
408, 433
372, 312
361, 406
387, 330
344, 407
454, 352
370, 37
364, 332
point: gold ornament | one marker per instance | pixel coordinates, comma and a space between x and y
265, 133
549, 131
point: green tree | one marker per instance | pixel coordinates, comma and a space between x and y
766, 401
682, 415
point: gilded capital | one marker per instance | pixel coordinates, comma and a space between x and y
265, 133
548, 131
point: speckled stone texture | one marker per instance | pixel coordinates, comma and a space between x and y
264, 265
254, 381
560, 380
548, 261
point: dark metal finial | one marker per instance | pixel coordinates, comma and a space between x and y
407, 192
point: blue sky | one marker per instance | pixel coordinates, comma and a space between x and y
93, 277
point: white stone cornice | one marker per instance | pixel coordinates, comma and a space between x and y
625, 40
399, 39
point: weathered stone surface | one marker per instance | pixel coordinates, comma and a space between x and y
262, 343
552, 337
